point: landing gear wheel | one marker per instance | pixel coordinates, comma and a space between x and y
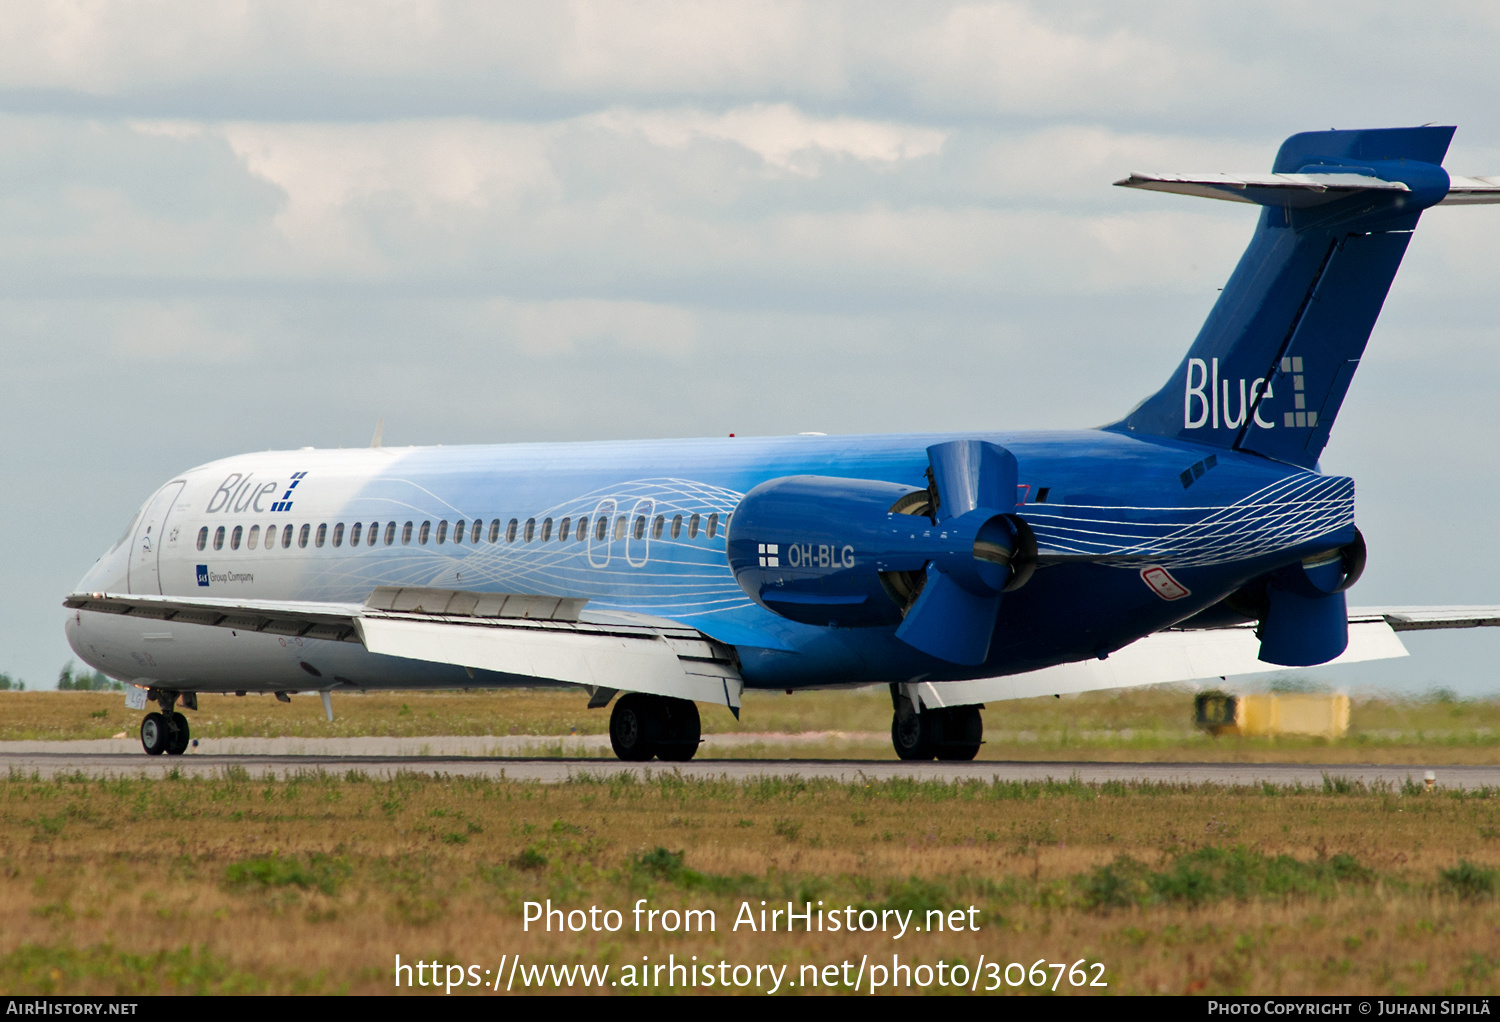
178, 743
962, 734
632, 726
911, 733
154, 734
682, 731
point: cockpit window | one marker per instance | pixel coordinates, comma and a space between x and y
130, 530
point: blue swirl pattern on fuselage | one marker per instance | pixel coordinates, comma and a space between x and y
680, 577
1297, 509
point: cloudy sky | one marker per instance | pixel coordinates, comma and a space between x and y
237, 226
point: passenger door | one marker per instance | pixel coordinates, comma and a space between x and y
152, 533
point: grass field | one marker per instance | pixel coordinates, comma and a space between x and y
1153, 723
316, 884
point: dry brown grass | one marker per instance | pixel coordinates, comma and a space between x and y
1153, 723
316, 884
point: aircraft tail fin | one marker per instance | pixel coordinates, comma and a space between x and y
1270, 367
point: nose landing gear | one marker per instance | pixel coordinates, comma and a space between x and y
166, 731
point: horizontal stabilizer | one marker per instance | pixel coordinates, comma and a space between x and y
1297, 191
1471, 191
1301, 191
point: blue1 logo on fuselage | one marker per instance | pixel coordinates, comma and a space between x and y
1201, 402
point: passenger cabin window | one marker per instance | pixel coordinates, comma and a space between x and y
530, 529
235, 536
423, 533
657, 526
693, 527
583, 528
390, 533
286, 537
564, 530
302, 535
713, 525
374, 532
640, 526
510, 531
338, 534
203, 537
322, 534
253, 538
494, 530
458, 531
622, 522
219, 538
406, 534
442, 531
676, 526
601, 527
354, 531
546, 529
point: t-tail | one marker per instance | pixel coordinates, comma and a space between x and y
1269, 370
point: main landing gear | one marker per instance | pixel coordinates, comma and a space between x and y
947, 733
642, 726
166, 731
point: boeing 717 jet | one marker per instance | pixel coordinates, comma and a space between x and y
1193, 538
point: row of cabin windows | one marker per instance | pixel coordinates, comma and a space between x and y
575, 529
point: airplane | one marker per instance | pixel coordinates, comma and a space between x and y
1196, 537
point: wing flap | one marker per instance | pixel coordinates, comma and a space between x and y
1157, 658
514, 634
1414, 619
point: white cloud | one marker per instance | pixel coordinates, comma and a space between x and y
340, 177
553, 329
783, 136
177, 332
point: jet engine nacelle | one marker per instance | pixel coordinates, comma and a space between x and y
829, 551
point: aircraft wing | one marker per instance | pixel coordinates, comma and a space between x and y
1200, 654
543, 637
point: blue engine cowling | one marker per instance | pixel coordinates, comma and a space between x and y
824, 550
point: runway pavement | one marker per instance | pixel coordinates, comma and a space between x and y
379, 758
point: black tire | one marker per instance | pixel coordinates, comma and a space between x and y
911, 734
633, 726
154, 734
177, 742
682, 731
963, 733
